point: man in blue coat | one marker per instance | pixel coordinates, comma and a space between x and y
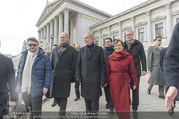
34, 76
171, 68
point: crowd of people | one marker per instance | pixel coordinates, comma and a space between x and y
116, 67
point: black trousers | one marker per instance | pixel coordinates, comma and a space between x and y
108, 97
77, 92
92, 105
35, 104
135, 96
62, 102
4, 104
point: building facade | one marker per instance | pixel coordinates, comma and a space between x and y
148, 20
70, 16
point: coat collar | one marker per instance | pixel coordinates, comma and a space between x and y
93, 48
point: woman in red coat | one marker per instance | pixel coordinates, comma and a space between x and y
119, 70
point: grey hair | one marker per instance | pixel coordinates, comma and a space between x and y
90, 34
130, 30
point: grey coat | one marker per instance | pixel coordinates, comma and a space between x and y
92, 72
153, 58
63, 71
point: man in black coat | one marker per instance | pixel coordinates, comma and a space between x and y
108, 50
91, 71
171, 68
7, 79
136, 49
63, 72
77, 92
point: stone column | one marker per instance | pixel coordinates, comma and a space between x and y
149, 28
39, 35
133, 25
51, 34
100, 40
109, 31
48, 33
44, 33
169, 21
66, 21
120, 30
60, 23
55, 30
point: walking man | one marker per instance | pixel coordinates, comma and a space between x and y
7, 85
156, 75
63, 68
108, 50
34, 76
77, 92
91, 73
136, 49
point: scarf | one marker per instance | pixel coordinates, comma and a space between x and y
109, 50
129, 43
26, 74
62, 47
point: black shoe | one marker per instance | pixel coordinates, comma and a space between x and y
111, 111
77, 98
163, 97
171, 112
54, 104
107, 106
148, 91
135, 115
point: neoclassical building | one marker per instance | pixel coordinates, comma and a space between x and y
148, 20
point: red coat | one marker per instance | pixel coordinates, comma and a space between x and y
119, 70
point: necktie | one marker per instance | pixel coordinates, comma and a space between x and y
88, 51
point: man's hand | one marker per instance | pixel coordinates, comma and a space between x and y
170, 96
134, 87
144, 73
45, 91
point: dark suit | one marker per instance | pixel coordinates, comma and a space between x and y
171, 60
91, 70
7, 79
63, 72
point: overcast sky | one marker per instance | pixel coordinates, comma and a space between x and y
18, 19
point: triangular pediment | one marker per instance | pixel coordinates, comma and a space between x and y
49, 8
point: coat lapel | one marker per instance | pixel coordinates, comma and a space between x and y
92, 50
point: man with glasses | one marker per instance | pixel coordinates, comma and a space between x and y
34, 76
108, 50
136, 49
63, 68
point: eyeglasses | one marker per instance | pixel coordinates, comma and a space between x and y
128, 34
117, 45
30, 45
108, 42
62, 37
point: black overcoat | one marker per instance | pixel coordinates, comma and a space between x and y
171, 60
138, 53
92, 72
63, 71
